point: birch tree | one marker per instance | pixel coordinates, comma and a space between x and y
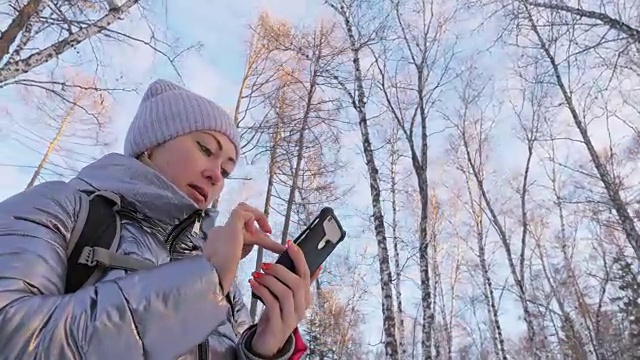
411, 86
362, 22
473, 127
622, 22
42, 32
573, 51
450, 258
394, 184
546, 45
471, 150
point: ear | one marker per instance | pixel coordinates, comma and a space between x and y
145, 158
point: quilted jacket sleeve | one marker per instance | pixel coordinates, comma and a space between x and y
152, 314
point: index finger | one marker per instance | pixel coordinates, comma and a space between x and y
267, 243
259, 217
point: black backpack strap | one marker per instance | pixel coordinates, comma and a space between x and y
97, 227
94, 242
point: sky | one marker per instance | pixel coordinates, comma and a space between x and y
215, 72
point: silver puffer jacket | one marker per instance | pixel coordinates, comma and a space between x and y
160, 313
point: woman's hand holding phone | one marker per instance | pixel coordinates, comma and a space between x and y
226, 245
286, 296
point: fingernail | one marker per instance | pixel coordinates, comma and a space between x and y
289, 243
256, 275
265, 266
320, 268
252, 282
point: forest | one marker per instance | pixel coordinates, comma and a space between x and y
480, 154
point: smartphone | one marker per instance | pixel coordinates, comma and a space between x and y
317, 241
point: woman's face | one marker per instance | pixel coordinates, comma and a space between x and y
197, 164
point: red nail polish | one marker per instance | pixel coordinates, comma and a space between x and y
265, 266
256, 275
289, 243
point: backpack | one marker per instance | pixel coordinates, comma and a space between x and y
94, 241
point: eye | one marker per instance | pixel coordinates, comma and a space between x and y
205, 150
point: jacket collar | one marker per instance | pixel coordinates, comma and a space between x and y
143, 187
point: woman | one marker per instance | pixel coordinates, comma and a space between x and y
179, 149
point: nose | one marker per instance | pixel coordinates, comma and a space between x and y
213, 174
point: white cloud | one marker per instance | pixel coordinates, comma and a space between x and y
201, 77
12, 180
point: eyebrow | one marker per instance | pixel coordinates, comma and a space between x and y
220, 146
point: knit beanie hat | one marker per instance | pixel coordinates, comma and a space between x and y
167, 111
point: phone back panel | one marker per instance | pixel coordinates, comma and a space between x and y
317, 241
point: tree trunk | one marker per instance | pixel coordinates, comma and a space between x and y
13, 69
616, 24
359, 102
395, 157
253, 308
52, 145
300, 145
607, 180
18, 23
389, 327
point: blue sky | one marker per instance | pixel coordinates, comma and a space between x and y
215, 72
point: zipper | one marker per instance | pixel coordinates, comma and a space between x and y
172, 238
196, 226
203, 350
178, 230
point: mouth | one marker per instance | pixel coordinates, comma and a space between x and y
200, 192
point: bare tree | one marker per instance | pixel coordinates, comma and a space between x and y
42, 32
395, 177
608, 181
473, 127
630, 31
334, 327
411, 80
303, 129
449, 255
571, 43
262, 95
362, 21
262, 66
470, 150
70, 138
274, 149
